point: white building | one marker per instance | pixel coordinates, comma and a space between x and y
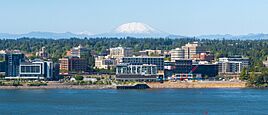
129, 72
36, 69
177, 54
232, 64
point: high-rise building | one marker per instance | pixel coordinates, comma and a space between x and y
13, 60
192, 49
177, 54
79, 51
189, 51
2, 62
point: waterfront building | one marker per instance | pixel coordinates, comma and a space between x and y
230, 67
232, 64
184, 68
104, 62
178, 67
206, 70
158, 61
13, 60
2, 63
73, 65
37, 69
129, 72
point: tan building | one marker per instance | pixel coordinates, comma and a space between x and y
78, 51
192, 49
120, 52
189, 51
42, 53
104, 62
151, 53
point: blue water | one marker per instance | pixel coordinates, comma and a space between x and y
152, 101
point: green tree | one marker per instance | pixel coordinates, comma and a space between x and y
243, 74
79, 78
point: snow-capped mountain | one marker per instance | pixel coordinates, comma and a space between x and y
135, 29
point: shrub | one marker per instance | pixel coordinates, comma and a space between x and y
79, 78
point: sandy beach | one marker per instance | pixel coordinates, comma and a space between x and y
55, 85
155, 85
199, 84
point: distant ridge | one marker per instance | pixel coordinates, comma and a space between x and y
251, 36
47, 35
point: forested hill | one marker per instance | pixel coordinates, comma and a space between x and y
256, 50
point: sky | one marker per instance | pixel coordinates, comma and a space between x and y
181, 17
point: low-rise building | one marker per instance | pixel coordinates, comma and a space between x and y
104, 62
42, 53
37, 69
232, 65
151, 53
158, 61
265, 63
129, 72
185, 69
73, 65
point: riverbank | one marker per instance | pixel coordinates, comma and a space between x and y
154, 85
56, 85
199, 84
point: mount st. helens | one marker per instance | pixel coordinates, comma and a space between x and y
135, 29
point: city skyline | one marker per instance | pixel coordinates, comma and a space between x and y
188, 18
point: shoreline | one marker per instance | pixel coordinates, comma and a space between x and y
60, 87
152, 85
199, 84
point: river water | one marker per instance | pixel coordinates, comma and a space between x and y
151, 101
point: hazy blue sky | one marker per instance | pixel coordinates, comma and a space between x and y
183, 17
